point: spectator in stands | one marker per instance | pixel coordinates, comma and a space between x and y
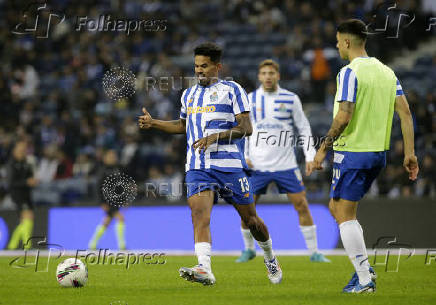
48, 166
65, 166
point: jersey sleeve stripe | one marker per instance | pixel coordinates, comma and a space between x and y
253, 99
355, 89
399, 89
185, 98
238, 95
345, 83
263, 107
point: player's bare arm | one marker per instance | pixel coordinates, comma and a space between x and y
410, 161
340, 122
145, 121
241, 130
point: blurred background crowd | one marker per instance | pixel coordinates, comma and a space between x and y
51, 91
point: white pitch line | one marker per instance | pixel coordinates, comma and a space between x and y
334, 252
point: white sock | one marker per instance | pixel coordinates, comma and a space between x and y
248, 239
203, 251
354, 244
309, 233
267, 249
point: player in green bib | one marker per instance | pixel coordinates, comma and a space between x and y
368, 93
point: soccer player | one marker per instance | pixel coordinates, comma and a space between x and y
215, 117
110, 166
20, 182
270, 153
368, 93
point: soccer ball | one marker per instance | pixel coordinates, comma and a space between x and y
72, 273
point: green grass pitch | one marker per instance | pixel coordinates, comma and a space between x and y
303, 283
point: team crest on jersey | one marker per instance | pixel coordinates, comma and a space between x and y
214, 97
190, 101
282, 108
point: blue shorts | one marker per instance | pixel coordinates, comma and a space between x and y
353, 174
233, 187
288, 181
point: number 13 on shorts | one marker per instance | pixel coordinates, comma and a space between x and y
245, 186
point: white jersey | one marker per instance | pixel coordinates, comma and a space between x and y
209, 110
274, 116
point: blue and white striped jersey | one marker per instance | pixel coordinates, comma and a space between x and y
347, 85
210, 110
274, 116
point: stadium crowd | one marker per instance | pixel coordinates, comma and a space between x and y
51, 90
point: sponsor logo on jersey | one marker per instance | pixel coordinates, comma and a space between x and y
200, 109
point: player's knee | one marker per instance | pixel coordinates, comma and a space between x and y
200, 216
252, 222
301, 205
332, 210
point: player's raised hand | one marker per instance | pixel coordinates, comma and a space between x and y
411, 165
144, 120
